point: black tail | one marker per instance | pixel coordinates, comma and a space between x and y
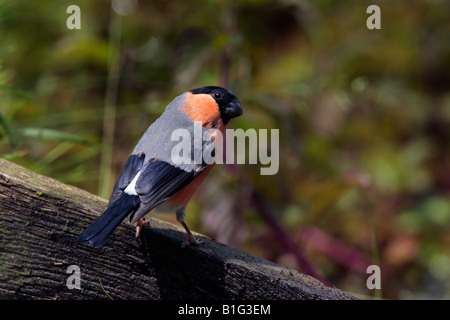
100, 230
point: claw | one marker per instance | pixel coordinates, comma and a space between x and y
139, 225
191, 239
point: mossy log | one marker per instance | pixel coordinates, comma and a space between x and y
40, 219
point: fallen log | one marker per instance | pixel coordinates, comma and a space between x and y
40, 219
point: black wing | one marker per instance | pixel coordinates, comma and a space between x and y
159, 180
131, 168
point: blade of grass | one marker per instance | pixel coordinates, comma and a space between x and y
50, 134
53, 155
69, 164
13, 155
101, 285
105, 179
16, 91
4, 124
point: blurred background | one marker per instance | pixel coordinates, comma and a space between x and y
364, 120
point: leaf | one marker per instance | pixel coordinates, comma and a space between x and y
16, 91
50, 134
13, 155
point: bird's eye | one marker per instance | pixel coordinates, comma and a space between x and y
217, 95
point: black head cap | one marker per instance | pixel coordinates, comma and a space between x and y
229, 105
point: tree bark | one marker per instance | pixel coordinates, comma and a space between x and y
40, 219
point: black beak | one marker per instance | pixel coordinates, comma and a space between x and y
233, 110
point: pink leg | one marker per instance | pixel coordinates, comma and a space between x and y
191, 239
139, 225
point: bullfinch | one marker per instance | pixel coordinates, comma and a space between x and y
155, 175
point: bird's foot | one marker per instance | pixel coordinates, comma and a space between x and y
191, 240
140, 224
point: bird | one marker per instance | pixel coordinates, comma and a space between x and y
155, 175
